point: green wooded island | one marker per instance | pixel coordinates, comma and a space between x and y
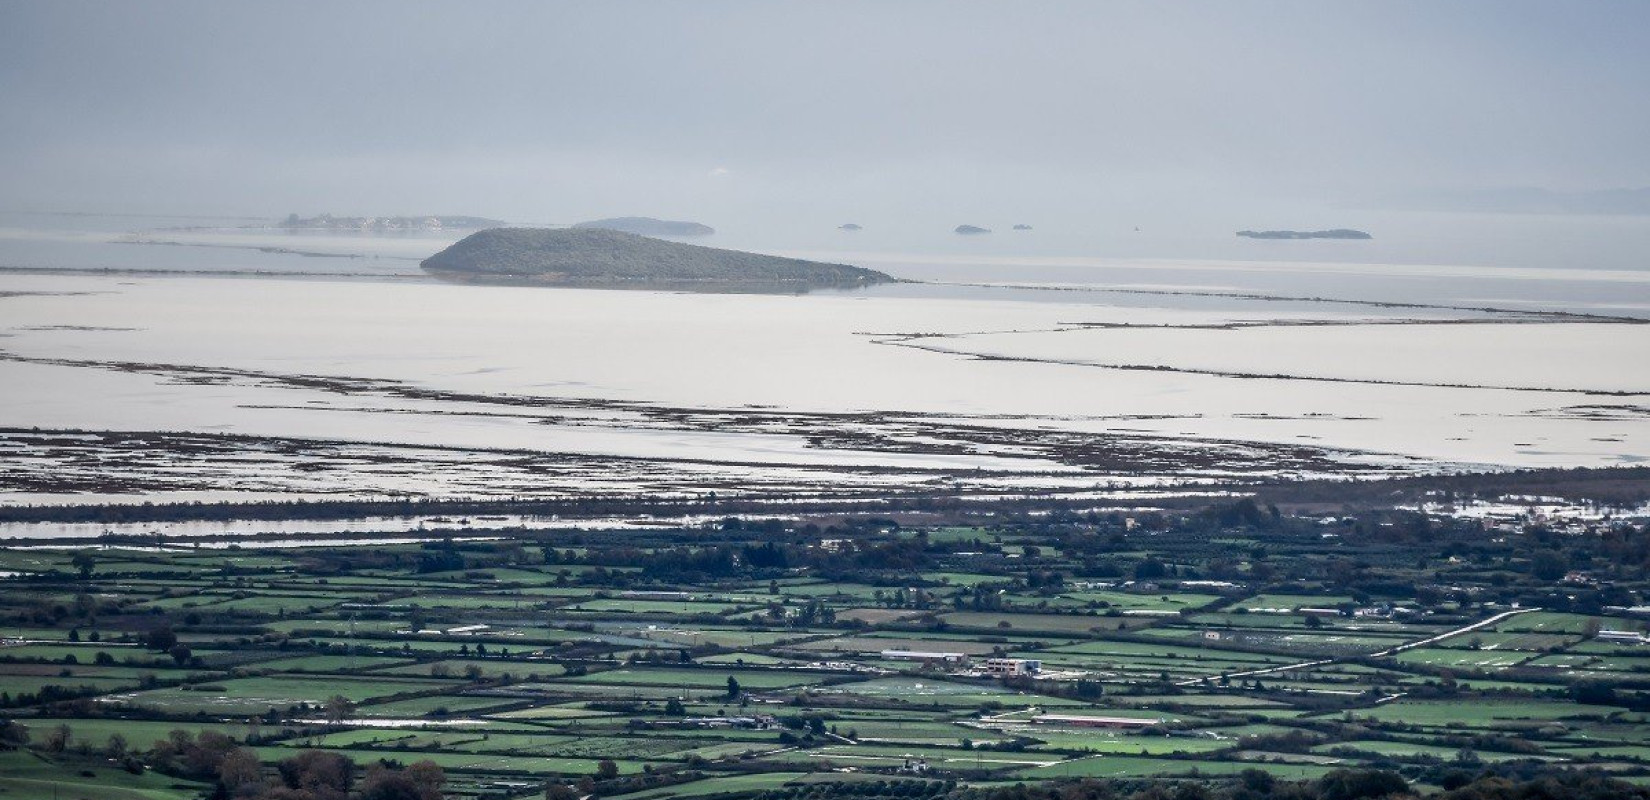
606, 259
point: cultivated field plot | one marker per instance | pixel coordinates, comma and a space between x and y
715, 661
1490, 714
1069, 624
847, 645
257, 695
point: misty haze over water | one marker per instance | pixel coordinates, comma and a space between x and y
1493, 152
1187, 120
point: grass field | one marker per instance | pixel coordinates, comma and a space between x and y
742, 785
29, 777
256, 695
1078, 624
1108, 766
507, 672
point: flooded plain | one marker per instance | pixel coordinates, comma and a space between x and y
987, 375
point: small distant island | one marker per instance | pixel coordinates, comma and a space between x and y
1338, 233
971, 230
598, 258
648, 226
328, 222
1022, 227
852, 226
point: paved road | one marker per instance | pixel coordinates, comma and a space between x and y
1391, 651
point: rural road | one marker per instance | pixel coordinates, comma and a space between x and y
1391, 651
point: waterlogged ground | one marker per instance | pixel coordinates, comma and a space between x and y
994, 375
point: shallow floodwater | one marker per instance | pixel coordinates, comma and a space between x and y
323, 532
1002, 373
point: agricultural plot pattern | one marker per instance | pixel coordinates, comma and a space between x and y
749, 656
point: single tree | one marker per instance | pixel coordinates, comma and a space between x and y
239, 768
84, 562
1548, 565
339, 708
57, 739
428, 776
161, 639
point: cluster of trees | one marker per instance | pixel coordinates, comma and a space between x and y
1621, 487
697, 564
607, 773
1343, 784
587, 506
319, 775
848, 790
235, 771
83, 610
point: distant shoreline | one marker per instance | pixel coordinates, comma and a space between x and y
1336, 233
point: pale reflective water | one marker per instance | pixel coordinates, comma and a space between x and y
1020, 365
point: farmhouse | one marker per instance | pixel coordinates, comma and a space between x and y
1622, 637
760, 722
658, 595
1007, 667
925, 656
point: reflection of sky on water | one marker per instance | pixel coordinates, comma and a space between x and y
1556, 262
827, 353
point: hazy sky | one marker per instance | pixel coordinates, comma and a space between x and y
556, 111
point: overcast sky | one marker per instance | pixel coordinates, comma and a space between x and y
555, 111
